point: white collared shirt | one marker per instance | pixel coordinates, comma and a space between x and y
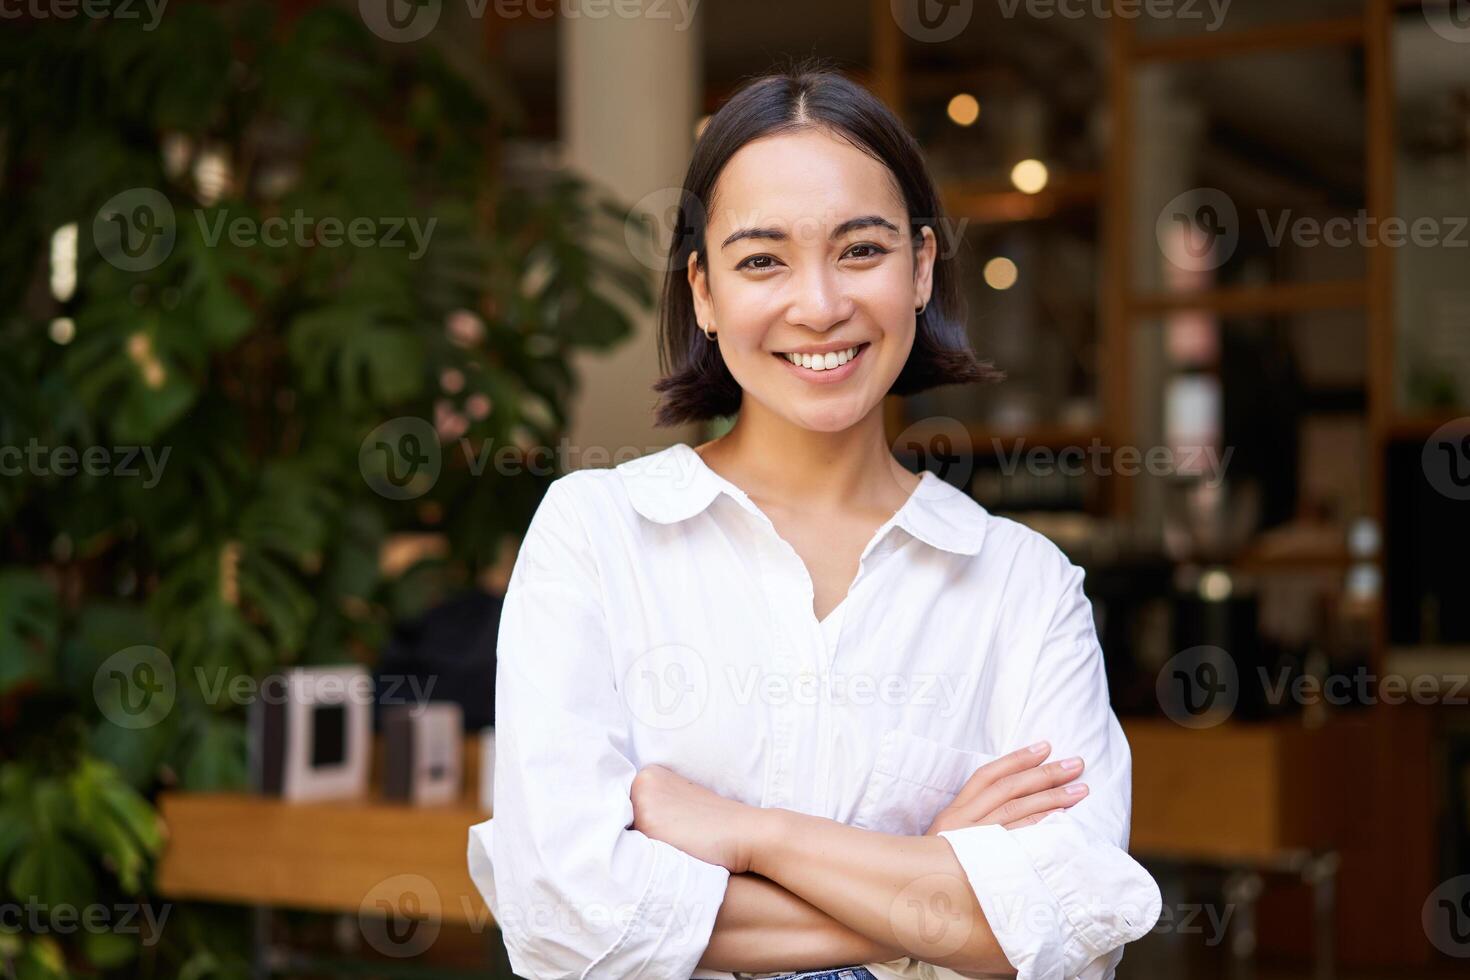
655, 616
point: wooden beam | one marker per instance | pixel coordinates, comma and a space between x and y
1379, 200
1295, 297
1115, 336
989, 204
1337, 31
886, 41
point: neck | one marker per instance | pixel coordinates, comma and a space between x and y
774, 460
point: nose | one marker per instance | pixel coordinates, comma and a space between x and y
819, 300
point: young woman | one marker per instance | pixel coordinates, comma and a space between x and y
773, 705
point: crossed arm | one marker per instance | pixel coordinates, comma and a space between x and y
806, 892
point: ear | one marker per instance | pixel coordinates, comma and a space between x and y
924, 257
704, 307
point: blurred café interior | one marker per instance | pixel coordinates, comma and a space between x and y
1231, 394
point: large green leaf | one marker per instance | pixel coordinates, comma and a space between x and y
51, 872
28, 625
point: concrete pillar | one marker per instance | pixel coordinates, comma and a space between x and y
630, 94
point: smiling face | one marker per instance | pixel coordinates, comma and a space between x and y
809, 260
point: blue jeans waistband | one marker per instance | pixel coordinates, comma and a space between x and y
844, 973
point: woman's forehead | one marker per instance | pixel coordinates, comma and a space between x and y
804, 179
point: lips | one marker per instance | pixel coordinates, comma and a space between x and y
824, 368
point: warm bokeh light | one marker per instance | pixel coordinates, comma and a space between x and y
1029, 176
1000, 273
63, 329
64, 262
964, 109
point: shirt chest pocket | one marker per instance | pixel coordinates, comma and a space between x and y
913, 778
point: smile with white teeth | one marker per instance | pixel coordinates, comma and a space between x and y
824, 362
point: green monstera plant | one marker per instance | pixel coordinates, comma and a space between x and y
242, 253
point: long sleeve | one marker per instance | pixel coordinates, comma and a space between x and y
1063, 896
575, 891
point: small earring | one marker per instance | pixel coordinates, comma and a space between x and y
707, 334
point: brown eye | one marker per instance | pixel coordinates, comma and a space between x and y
874, 250
749, 263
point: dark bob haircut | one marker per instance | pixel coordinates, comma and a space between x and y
697, 385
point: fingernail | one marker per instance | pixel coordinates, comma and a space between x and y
1039, 747
1077, 789
1071, 765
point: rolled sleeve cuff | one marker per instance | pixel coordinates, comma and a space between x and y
673, 922
1018, 906
1054, 899
667, 930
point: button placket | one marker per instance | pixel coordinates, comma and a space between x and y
784, 662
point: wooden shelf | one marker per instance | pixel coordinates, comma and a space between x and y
1296, 297
1334, 32
1243, 792
343, 856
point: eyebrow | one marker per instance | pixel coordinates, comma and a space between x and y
776, 234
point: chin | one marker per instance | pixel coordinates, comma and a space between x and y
835, 418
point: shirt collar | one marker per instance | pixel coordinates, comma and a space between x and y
674, 484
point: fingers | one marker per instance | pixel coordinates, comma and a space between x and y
1034, 780
1029, 791
1028, 821
1037, 803
1007, 765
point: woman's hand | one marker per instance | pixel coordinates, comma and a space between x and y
1015, 790
698, 821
